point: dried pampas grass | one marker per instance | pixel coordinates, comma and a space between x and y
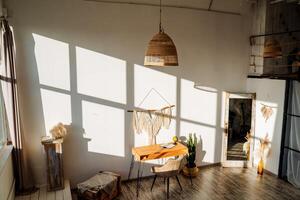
264, 147
247, 144
267, 112
58, 131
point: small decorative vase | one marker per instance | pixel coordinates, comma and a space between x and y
175, 139
260, 167
193, 172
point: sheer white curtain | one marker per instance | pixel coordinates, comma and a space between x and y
293, 155
4, 91
24, 181
4, 130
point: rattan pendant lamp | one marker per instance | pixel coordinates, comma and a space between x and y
272, 48
161, 50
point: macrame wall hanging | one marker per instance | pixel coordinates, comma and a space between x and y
151, 121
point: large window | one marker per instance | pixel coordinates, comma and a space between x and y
6, 104
3, 115
3, 134
4, 90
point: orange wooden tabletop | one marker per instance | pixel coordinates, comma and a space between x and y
155, 151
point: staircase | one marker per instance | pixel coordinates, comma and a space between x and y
235, 152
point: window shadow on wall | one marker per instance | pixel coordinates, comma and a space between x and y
92, 92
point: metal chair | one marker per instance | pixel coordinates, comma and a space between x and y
171, 169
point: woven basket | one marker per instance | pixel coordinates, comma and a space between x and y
272, 49
161, 51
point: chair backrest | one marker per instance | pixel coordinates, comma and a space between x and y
171, 168
176, 164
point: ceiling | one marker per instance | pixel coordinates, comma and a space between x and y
232, 6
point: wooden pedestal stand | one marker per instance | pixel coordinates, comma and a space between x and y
55, 175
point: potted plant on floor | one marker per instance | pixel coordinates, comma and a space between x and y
190, 169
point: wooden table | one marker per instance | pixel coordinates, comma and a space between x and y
153, 152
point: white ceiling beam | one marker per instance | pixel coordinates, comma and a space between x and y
166, 6
210, 4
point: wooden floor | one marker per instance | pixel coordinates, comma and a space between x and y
217, 183
42, 194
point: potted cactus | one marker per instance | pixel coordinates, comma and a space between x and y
190, 169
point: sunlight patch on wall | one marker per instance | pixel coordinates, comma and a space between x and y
260, 122
197, 104
52, 59
56, 108
145, 79
264, 127
101, 76
205, 149
104, 126
205, 88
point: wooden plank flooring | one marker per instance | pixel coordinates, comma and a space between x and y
42, 194
217, 183
212, 183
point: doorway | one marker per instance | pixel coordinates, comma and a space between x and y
238, 125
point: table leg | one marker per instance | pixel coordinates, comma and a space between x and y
142, 170
131, 167
138, 179
168, 185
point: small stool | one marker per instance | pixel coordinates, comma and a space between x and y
103, 186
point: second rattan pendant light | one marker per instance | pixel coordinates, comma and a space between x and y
161, 50
272, 48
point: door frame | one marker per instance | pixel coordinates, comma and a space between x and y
236, 95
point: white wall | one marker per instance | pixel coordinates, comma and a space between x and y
7, 180
271, 93
81, 63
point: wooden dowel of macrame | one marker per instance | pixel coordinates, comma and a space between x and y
151, 110
268, 105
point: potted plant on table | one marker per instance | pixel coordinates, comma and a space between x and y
190, 169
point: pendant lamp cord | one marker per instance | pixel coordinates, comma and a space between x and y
161, 30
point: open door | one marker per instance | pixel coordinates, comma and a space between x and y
238, 121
